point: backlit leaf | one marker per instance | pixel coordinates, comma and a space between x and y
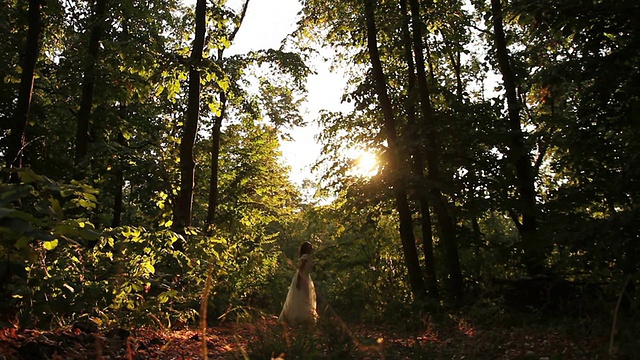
50, 245
150, 268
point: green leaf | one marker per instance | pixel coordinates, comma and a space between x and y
4, 212
11, 193
149, 268
89, 234
56, 208
86, 204
22, 242
50, 245
28, 176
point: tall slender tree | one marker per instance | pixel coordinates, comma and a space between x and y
446, 223
89, 81
395, 158
212, 203
416, 155
533, 252
184, 202
217, 126
25, 91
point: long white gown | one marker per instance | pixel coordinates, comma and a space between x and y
300, 304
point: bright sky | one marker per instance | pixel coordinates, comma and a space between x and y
266, 24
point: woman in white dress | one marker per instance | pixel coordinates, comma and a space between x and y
300, 305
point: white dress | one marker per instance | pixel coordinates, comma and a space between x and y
300, 305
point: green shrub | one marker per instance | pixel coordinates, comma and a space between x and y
63, 268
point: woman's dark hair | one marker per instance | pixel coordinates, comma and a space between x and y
305, 248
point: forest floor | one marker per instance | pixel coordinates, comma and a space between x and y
256, 341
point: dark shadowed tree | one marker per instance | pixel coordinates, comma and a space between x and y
89, 80
417, 156
533, 252
16, 141
184, 201
446, 223
395, 158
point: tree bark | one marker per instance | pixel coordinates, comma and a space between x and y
215, 132
533, 257
446, 224
184, 201
454, 59
389, 126
88, 83
16, 139
118, 197
418, 161
215, 154
118, 205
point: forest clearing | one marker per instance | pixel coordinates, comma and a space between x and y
476, 197
362, 342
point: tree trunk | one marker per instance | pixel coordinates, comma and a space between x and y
119, 182
215, 132
446, 225
16, 139
215, 153
406, 224
88, 83
118, 197
454, 59
533, 256
184, 202
418, 161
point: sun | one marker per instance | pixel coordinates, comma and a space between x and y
366, 164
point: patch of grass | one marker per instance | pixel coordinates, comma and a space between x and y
268, 339
330, 338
